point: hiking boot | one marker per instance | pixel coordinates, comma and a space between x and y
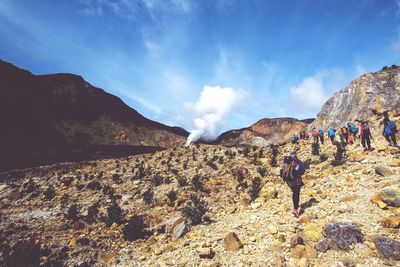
296, 213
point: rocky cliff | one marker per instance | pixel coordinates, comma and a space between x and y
370, 94
264, 132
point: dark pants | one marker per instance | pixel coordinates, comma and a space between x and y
296, 195
392, 137
332, 138
322, 139
366, 139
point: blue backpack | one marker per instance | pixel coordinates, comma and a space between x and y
331, 132
320, 133
390, 128
352, 128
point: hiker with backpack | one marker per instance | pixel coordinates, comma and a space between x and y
321, 135
331, 134
315, 135
291, 173
307, 135
389, 129
344, 134
295, 138
365, 134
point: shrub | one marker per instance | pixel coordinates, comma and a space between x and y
72, 212
274, 155
135, 228
195, 210
340, 155
148, 196
182, 181
114, 215
254, 191
197, 183
262, 171
315, 149
171, 196
323, 157
157, 180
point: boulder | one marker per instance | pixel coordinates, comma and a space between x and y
232, 242
388, 248
391, 196
383, 171
341, 235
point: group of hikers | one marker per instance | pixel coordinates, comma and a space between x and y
349, 133
293, 168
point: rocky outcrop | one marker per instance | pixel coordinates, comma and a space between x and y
370, 94
264, 132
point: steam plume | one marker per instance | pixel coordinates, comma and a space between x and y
214, 104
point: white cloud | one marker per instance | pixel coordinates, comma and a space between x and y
211, 109
175, 83
309, 95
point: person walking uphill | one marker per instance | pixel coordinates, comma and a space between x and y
291, 173
366, 136
389, 129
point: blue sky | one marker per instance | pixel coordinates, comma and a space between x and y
288, 56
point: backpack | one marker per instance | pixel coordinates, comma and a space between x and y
331, 132
320, 133
365, 128
392, 126
291, 169
352, 128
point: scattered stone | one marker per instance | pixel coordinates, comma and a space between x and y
391, 222
388, 248
312, 232
377, 199
391, 196
272, 229
383, 171
302, 251
255, 205
349, 198
206, 253
296, 240
232, 242
322, 245
342, 234
269, 193
179, 230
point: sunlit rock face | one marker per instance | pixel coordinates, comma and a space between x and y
370, 94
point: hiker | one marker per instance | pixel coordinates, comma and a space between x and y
365, 134
344, 136
321, 135
389, 130
352, 129
295, 138
291, 173
331, 134
302, 135
314, 133
307, 135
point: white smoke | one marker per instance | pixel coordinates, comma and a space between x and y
210, 110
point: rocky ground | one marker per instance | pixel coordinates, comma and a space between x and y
140, 210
